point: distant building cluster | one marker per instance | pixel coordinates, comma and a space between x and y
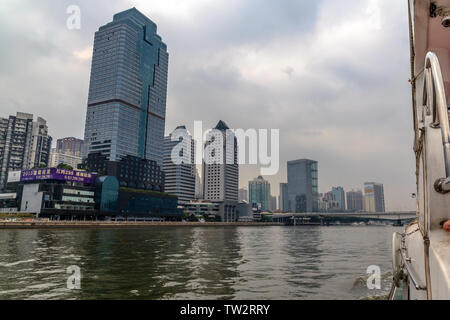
300, 194
337, 200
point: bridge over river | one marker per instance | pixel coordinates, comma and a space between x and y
396, 218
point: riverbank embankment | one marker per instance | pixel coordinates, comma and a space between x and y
123, 224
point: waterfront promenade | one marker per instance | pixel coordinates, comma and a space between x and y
123, 224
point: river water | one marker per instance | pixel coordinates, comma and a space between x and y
196, 262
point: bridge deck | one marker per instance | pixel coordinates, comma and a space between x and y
404, 215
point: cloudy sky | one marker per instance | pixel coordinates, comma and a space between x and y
331, 75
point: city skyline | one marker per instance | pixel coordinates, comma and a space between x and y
213, 152
349, 152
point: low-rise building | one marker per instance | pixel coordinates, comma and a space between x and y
245, 212
145, 204
8, 203
54, 193
60, 194
225, 210
58, 157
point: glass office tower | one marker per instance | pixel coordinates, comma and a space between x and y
303, 186
259, 192
128, 88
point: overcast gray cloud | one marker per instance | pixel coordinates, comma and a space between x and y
331, 75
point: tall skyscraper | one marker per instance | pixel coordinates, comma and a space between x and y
41, 144
259, 192
24, 144
355, 200
374, 197
221, 178
180, 177
127, 92
303, 186
243, 195
339, 197
284, 197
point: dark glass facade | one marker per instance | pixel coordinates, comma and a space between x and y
303, 186
130, 171
141, 203
107, 194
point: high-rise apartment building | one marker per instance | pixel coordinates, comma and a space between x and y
68, 151
284, 198
259, 193
40, 144
355, 200
303, 186
127, 92
374, 197
24, 144
220, 167
339, 197
69, 145
180, 172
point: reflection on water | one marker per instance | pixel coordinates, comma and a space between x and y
195, 263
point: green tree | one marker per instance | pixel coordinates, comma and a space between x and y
41, 166
64, 166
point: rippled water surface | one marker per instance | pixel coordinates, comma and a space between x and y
196, 262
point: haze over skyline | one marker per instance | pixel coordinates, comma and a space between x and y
331, 75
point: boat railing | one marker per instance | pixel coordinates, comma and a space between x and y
434, 98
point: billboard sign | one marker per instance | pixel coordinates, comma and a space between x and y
13, 176
57, 174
